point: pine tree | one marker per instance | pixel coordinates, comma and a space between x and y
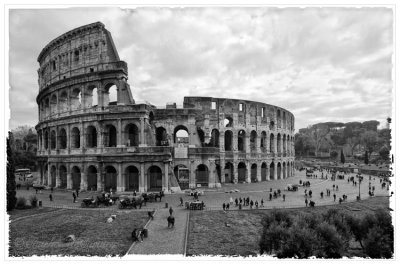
11, 185
342, 159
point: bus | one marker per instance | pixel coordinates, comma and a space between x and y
23, 174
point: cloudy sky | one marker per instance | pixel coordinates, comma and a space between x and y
322, 64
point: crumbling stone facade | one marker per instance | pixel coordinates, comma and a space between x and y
90, 141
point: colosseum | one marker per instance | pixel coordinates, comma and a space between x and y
92, 135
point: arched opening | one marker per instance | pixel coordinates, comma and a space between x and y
288, 145
91, 133
110, 179
253, 141
242, 141
284, 143
279, 171
132, 135
110, 95
161, 137
263, 141
110, 136
228, 172
181, 135
92, 178
63, 101
214, 141
278, 142
151, 117
271, 125
182, 175
254, 173
242, 172
264, 171
75, 99
228, 122
271, 143
45, 179
228, 140
283, 170
271, 171
53, 176
91, 98
155, 178
132, 179
200, 133
53, 104
47, 107
53, 140
63, 177
46, 140
62, 139
76, 178
75, 138
202, 175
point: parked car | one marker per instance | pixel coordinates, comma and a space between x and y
292, 187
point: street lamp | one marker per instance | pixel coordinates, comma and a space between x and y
359, 186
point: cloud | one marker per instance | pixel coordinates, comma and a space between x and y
322, 64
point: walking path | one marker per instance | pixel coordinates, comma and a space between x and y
164, 240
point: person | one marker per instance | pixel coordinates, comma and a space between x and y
171, 221
284, 197
256, 203
306, 201
227, 206
223, 206
322, 195
262, 202
251, 204
231, 201
77, 192
236, 202
270, 196
337, 187
51, 189
181, 200
134, 193
74, 196
51, 197
310, 193
334, 197
170, 210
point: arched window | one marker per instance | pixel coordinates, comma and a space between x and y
110, 136
75, 99
278, 139
62, 138
91, 97
75, 138
242, 172
110, 95
181, 134
228, 140
214, 141
76, 178
132, 179
161, 137
46, 140
91, 133
92, 178
53, 104
200, 133
242, 140
53, 140
271, 143
110, 179
132, 135
253, 141
263, 141
63, 101
202, 175
155, 178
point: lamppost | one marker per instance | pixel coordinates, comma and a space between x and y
359, 185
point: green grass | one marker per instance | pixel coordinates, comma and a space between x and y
43, 234
16, 214
208, 234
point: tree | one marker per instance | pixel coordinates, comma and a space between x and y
317, 135
334, 154
370, 125
366, 158
369, 139
342, 159
384, 153
11, 185
352, 142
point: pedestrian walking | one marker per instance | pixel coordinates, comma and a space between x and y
227, 206
51, 197
306, 201
170, 210
310, 194
181, 200
223, 206
270, 196
240, 200
236, 202
337, 187
262, 203
77, 192
284, 197
251, 204
231, 201
322, 195
74, 196
256, 204
334, 197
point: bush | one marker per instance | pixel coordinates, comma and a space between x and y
34, 201
378, 244
329, 241
300, 243
21, 203
272, 238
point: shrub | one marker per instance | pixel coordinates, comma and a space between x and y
21, 203
378, 244
329, 241
300, 243
272, 238
34, 200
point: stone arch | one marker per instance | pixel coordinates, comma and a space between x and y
228, 121
155, 178
53, 104
242, 172
284, 143
181, 173
131, 178
63, 101
161, 137
53, 176
110, 178
283, 170
76, 98
272, 171
271, 143
53, 140
201, 135
253, 141
46, 139
228, 136
182, 137
110, 94
91, 136
279, 170
242, 141
47, 106
92, 178
228, 171
91, 96
278, 142
253, 173
76, 177
110, 139
263, 171
214, 141
202, 175
75, 138
62, 138
63, 177
132, 135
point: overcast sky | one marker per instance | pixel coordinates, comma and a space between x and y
321, 64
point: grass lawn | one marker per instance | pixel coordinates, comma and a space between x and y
209, 234
43, 234
16, 214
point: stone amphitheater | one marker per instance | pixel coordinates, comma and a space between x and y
92, 135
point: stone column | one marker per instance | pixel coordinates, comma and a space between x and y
99, 182
248, 170
247, 143
166, 174
275, 170
211, 176
48, 175
267, 173
222, 165
275, 143
84, 184
259, 172
222, 142
141, 178
235, 172
120, 181
82, 136
192, 175
234, 140
58, 178
119, 140
69, 177
258, 143
142, 136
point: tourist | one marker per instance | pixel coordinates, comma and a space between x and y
262, 203
77, 192
322, 195
236, 202
310, 194
223, 206
170, 210
334, 197
256, 203
181, 200
284, 197
337, 187
134, 193
306, 201
51, 197
251, 204
231, 201
270, 196
240, 200
74, 196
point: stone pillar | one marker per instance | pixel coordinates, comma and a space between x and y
235, 172
48, 175
99, 182
69, 177
259, 172
84, 182
222, 142
248, 175
267, 173
222, 166
119, 139
82, 136
211, 172
234, 141
275, 144
141, 178
258, 143
120, 181
58, 178
192, 175
142, 136
166, 174
275, 170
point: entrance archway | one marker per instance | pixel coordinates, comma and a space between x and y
63, 177
202, 175
279, 171
92, 178
53, 176
76, 178
242, 172
271, 171
132, 179
155, 178
110, 179
254, 173
229, 172
182, 175
263, 171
